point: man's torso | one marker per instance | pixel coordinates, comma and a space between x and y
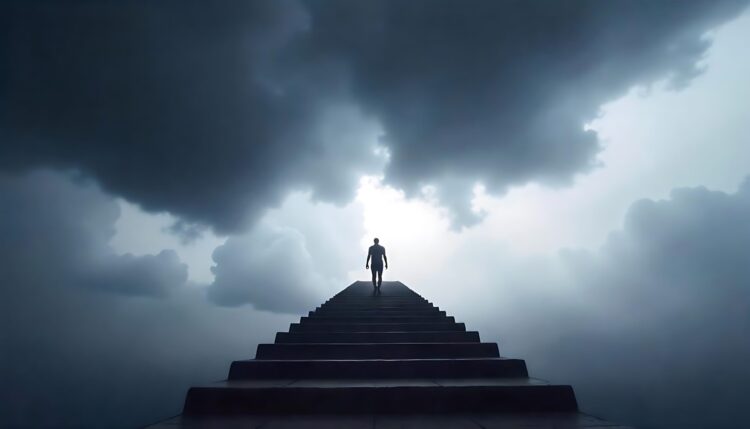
376, 253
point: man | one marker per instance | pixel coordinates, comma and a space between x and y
377, 253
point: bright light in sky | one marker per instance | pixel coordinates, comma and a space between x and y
410, 229
389, 213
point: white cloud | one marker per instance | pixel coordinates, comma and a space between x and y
290, 261
140, 233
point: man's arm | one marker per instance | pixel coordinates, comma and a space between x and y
367, 263
385, 258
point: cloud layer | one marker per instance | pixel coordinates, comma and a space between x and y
650, 328
291, 260
658, 314
672, 290
175, 106
55, 232
214, 114
499, 92
269, 268
84, 341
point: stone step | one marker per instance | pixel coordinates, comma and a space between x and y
383, 305
369, 297
383, 308
376, 313
377, 327
378, 302
377, 351
359, 306
378, 368
355, 306
331, 396
378, 319
389, 310
385, 311
378, 337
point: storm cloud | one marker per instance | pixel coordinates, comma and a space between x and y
176, 107
215, 114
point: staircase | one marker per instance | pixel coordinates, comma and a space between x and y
368, 358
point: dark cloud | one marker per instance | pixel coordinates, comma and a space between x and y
186, 231
215, 113
175, 105
57, 232
498, 92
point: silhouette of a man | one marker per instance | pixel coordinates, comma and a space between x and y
375, 257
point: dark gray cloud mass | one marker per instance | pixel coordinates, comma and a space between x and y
174, 105
499, 91
214, 112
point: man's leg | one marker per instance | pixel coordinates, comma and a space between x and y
374, 273
380, 276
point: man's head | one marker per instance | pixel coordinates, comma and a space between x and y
376, 241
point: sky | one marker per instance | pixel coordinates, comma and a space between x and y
180, 181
